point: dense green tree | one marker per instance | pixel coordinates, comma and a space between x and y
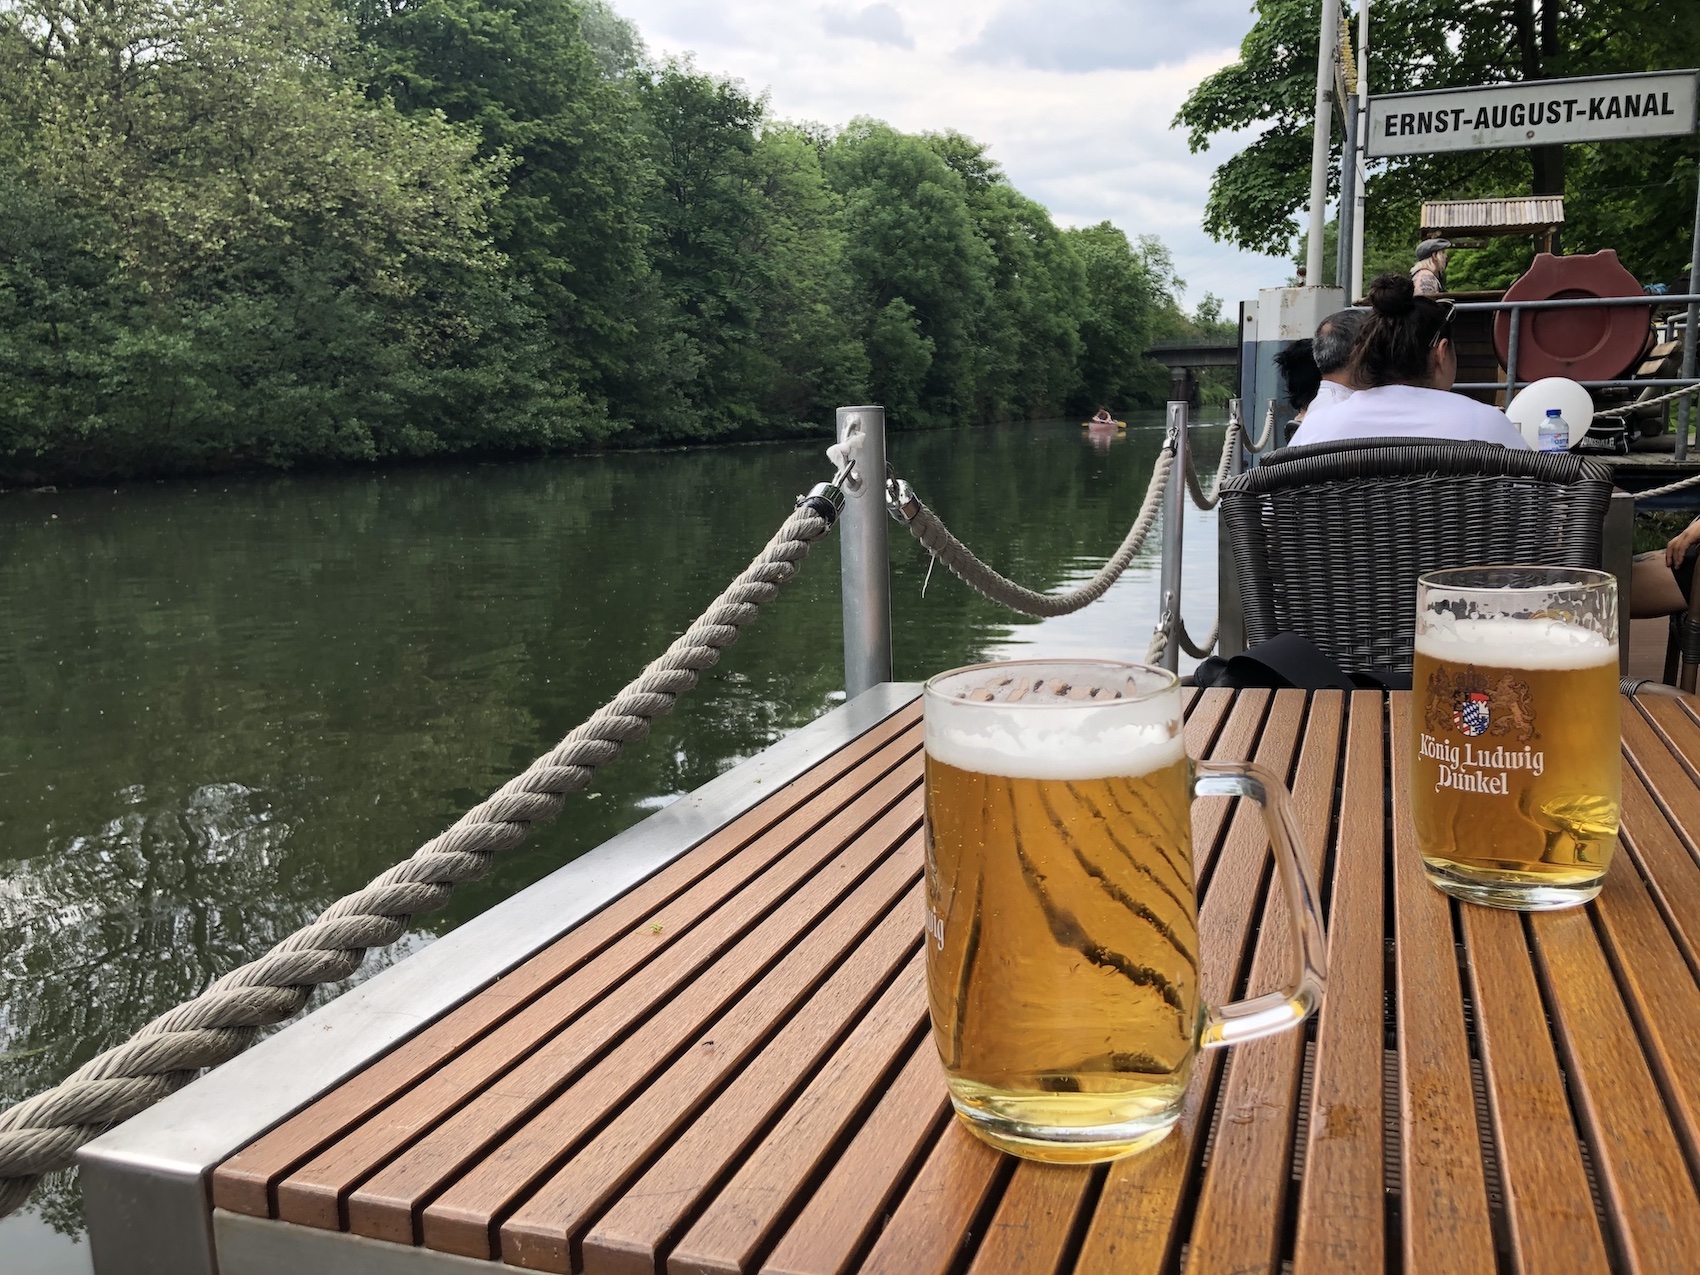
920, 265
1027, 337
265, 232
290, 269
1636, 197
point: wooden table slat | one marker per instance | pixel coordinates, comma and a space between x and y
846, 1207
1444, 1207
1237, 1224
630, 1237
1636, 1154
1549, 1211
544, 1231
1035, 1220
932, 1222
1342, 1206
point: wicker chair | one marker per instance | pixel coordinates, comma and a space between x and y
1329, 540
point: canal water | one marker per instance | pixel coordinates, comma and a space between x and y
225, 704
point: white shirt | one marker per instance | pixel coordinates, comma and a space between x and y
1408, 411
1328, 394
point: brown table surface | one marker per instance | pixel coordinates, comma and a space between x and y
728, 1069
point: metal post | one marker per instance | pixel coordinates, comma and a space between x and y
1319, 147
865, 572
1360, 162
1511, 354
1682, 411
1174, 512
1348, 199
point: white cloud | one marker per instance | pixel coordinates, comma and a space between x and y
878, 22
1085, 132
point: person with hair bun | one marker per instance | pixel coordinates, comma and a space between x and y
1404, 365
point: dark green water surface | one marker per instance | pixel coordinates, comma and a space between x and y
224, 704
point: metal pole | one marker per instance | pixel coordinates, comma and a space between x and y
1174, 513
1682, 411
865, 571
1348, 199
1511, 354
1319, 147
1360, 160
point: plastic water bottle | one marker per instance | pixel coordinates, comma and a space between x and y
1555, 432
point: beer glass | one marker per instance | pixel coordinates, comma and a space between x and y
1515, 774
1062, 923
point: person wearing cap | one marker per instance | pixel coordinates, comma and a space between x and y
1428, 276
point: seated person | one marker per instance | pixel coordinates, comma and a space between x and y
1663, 579
1332, 350
1300, 375
1404, 364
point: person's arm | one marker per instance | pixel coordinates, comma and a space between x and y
1681, 543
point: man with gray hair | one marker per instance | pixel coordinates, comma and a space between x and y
1332, 350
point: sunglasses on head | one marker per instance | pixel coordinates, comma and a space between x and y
1444, 331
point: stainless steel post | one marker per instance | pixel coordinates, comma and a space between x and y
1174, 514
865, 570
1511, 355
1683, 410
1320, 140
1348, 201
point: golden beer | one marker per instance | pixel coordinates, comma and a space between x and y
1515, 772
1063, 978
1062, 922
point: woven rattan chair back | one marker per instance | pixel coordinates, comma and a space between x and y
1329, 541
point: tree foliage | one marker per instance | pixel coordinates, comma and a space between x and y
1636, 197
267, 232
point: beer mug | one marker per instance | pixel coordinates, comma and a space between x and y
1062, 922
1515, 774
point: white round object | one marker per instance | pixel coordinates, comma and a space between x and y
1529, 408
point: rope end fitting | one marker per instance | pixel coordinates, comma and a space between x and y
900, 500
825, 501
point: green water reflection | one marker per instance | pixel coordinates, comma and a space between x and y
226, 704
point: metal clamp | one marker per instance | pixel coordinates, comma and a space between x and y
900, 499
825, 501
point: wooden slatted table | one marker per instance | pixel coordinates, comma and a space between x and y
728, 1068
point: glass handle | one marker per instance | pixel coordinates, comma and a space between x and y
1274, 1011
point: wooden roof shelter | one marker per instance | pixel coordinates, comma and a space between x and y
1460, 219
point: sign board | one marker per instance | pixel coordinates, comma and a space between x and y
1536, 113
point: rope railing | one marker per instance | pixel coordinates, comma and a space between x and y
967, 566
42, 1134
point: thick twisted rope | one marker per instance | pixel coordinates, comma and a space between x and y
1159, 644
1222, 467
937, 539
1681, 484
1629, 409
1268, 435
42, 1133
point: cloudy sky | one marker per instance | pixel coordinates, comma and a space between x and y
1073, 96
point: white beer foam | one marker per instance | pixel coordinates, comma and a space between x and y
1515, 644
1121, 739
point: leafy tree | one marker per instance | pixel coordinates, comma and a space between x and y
1028, 334
1622, 195
913, 239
